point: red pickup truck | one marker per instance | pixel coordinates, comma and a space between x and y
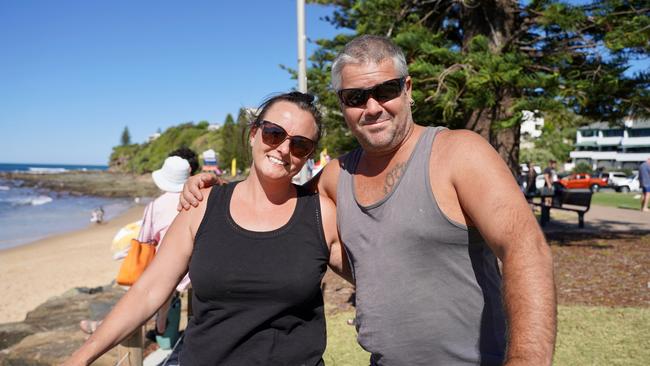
585, 181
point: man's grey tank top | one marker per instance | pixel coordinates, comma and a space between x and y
428, 288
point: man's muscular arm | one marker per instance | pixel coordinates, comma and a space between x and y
489, 195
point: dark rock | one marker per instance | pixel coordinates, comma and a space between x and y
12, 333
50, 333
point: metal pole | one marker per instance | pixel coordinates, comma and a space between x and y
302, 59
303, 175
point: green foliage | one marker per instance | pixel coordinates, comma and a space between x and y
234, 136
147, 157
582, 167
537, 156
122, 158
235, 141
628, 172
229, 140
125, 139
208, 140
482, 63
242, 143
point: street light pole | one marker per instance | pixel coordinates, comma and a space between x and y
304, 174
302, 60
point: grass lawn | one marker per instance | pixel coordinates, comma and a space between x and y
587, 335
342, 347
595, 335
615, 199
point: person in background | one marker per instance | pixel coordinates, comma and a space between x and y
256, 251
97, 215
531, 178
644, 180
170, 178
550, 177
189, 155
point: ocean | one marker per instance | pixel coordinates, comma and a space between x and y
47, 168
29, 214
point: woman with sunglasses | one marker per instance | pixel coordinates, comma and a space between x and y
256, 251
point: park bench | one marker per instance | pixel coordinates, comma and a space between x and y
576, 200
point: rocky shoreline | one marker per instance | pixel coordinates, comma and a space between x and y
50, 333
93, 183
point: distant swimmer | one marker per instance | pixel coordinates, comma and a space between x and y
97, 215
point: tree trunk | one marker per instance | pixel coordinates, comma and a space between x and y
496, 20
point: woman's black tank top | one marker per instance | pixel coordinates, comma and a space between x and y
257, 297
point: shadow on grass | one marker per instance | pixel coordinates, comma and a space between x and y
594, 239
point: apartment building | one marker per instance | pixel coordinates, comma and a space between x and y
613, 147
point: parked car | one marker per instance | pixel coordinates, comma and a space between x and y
631, 184
614, 179
583, 181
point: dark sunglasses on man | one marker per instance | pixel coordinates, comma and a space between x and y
273, 135
357, 97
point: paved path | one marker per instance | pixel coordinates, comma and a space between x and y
600, 219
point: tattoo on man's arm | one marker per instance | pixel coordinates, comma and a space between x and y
393, 177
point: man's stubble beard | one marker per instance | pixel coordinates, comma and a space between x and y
397, 138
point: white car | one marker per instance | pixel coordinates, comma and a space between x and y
617, 179
631, 184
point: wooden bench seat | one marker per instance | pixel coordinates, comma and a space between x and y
576, 200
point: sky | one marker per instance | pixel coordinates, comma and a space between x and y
73, 74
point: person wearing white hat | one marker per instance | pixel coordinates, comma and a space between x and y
172, 175
158, 216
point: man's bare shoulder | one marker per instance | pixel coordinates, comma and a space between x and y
460, 141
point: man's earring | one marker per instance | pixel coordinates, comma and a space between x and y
412, 102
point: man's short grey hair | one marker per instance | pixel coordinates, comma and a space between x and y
368, 49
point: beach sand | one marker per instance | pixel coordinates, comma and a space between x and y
33, 273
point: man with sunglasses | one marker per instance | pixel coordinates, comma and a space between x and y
423, 227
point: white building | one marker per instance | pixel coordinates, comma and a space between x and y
613, 147
153, 137
530, 129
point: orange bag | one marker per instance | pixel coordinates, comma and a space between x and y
139, 257
141, 252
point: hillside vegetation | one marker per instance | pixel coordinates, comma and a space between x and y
149, 156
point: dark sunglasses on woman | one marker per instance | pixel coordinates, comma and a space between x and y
273, 135
388, 90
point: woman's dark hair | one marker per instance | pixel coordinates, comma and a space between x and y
303, 101
189, 155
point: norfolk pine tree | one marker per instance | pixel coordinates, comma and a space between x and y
125, 139
479, 64
243, 156
229, 141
